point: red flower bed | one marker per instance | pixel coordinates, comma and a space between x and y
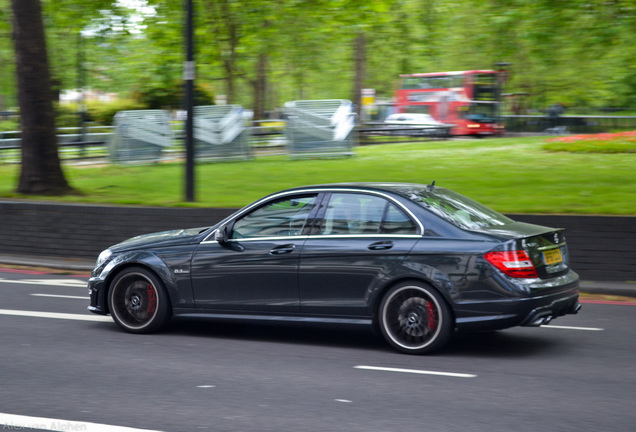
602, 138
620, 142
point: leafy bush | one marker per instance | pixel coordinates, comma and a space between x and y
66, 115
621, 142
171, 97
9, 125
103, 112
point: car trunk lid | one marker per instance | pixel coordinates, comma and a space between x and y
545, 247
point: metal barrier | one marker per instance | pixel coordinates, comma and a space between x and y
140, 136
568, 124
220, 133
81, 142
381, 133
320, 128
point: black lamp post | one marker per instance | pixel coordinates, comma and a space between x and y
188, 76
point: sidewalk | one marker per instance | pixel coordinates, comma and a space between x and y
82, 265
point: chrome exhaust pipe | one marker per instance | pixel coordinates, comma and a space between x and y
542, 321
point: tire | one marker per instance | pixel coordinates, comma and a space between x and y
138, 301
415, 319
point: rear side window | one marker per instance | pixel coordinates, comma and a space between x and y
364, 214
396, 222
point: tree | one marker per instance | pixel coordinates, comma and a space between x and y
41, 173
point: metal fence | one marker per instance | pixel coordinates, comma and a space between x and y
74, 142
320, 128
220, 133
569, 124
140, 136
381, 133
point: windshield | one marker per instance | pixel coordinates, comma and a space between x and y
453, 207
481, 112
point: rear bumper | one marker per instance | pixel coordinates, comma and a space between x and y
545, 314
539, 306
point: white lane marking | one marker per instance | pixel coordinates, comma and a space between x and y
18, 422
416, 371
55, 315
51, 282
206, 386
343, 400
572, 328
61, 296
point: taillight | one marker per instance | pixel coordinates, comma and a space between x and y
513, 263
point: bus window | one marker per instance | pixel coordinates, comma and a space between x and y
456, 81
411, 83
417, 109
485, 87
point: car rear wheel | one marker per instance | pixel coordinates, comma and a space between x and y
138, 301
414, 318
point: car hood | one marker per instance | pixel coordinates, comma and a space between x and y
164, 238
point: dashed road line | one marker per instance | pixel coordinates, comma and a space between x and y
572, 328
61, 296
55, 315
74, 283
416, 371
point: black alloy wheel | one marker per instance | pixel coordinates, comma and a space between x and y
138, 301
414, 318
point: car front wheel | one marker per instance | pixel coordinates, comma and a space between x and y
138, 301
414, 318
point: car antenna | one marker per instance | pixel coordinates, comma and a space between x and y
432, 185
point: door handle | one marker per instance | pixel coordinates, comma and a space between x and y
284, 249
382, 245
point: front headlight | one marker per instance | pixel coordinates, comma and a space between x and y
101, 259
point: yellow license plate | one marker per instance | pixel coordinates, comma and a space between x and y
552, 256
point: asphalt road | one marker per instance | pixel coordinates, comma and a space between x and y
62, 368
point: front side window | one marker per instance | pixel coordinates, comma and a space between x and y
364, 214
280, 218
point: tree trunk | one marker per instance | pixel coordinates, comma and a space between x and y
260, 86
41, 173
360, 56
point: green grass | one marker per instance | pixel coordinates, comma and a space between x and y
512, 175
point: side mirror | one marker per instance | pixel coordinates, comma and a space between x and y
221, 235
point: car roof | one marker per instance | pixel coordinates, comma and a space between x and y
393, 187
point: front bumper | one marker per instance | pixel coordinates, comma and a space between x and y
97, 296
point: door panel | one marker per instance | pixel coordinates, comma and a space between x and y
338, 275
255, 265
257, 275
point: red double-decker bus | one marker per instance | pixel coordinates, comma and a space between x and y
467, 99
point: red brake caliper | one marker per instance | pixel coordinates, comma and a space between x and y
152, 300
431, 319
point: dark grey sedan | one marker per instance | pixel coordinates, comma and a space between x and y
416, 261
